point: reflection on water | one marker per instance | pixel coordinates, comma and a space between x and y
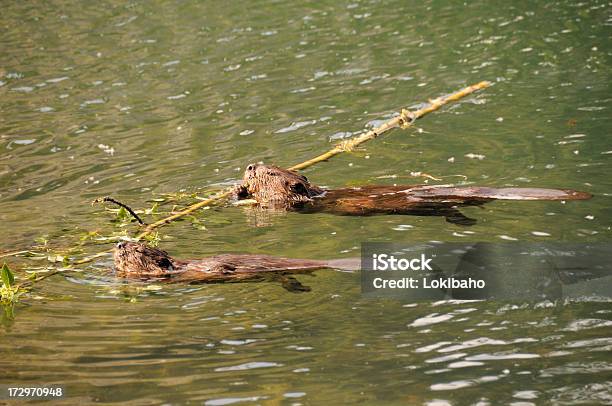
138, 99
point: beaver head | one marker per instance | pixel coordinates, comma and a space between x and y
274, 186
132, 258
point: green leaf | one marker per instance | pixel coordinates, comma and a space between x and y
7, 276
122, 214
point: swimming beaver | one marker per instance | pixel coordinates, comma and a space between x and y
278, 188
141, 261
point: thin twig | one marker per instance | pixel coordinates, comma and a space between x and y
118, 203
29, 282
190, 209
13, 253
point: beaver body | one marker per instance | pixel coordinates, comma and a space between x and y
136, 260
277, 188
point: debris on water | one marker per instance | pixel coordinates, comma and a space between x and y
471, 155
107, 149
232, 68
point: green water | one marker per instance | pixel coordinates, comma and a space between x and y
139, 99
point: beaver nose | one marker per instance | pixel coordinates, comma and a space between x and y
251, 167
120, 245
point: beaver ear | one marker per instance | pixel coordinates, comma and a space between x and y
298, 188
164, 263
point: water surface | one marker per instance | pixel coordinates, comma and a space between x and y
139, 99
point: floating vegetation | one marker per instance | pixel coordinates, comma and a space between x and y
8, 291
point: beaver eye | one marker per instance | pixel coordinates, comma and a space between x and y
120, 245
250, 167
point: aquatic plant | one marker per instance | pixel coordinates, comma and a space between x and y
9, 292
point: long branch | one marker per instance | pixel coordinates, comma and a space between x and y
404, 120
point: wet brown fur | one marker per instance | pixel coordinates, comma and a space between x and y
274, 187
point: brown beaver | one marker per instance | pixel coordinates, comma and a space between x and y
137, 260
277, 188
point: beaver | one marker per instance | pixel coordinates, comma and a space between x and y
138, 260
277, 188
